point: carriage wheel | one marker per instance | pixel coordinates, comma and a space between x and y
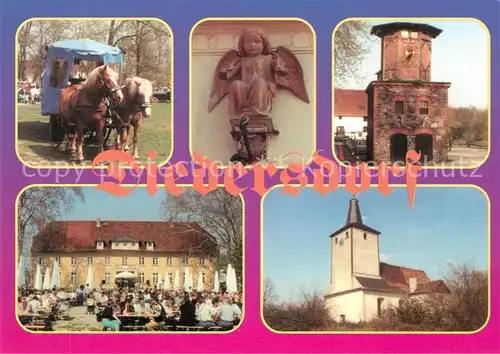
56, 131
106, 133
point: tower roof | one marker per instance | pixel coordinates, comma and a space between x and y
354, 219
389, 28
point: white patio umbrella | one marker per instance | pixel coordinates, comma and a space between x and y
90, 277
234, 280
159, 285
176, 280
231, 286
200, 286
186, 279
21, 279
46, 280
38, 278
56, 280
216, 282
166, 284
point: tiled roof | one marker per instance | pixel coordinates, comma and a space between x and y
399, 277
434, 286
350, 103
170, 237
377, 285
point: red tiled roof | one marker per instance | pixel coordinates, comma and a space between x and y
377, 285
350, 103
170, 237
400, 276
397, 279
433, 286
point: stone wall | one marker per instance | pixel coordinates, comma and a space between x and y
386, 122
294, 119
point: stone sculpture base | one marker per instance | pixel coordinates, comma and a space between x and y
254, 135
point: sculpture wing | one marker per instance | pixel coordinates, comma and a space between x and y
219, 86
292, 75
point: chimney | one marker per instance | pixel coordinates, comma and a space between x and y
413, 284
98, 222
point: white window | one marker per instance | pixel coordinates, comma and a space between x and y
100, 245
203, 278
141, 278
90, 260
107, 260
414, 35
155, 278
124, 261
183, 278
185, 261
58, 260
40, 260
107, 278
405, 34
141, 261
73, 277
155, 261
202, 261
150, 246
169, 261
170, 278
73, 260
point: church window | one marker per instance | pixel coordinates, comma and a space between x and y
399, 107
423, 108
365, 236
380, 301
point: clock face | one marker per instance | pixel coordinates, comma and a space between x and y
410, 55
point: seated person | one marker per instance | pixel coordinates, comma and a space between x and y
157, 315
208, 313
109, 319
90, 302
227, 314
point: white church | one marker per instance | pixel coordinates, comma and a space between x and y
361, 286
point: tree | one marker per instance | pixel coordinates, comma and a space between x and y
220, 214
351, 45
147, 44
40, 205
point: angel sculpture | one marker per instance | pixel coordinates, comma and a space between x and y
251, 75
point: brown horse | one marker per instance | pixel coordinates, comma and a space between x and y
136, 105
84, 105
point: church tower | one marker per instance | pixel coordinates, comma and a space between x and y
354, 251
406, 110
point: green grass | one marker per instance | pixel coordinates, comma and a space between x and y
34, 147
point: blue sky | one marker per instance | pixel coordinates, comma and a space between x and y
98, 204
459, 56
446, 225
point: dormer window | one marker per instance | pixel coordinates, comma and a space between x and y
150, 246
405, 34
414, 35
100, 245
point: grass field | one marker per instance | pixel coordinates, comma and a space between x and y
34, 147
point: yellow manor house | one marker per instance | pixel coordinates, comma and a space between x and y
144, 252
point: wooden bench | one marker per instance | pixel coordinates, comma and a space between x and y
190, 328
35, 327
134, 328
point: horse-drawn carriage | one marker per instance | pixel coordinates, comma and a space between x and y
59, 62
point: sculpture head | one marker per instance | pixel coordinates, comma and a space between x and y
253, 42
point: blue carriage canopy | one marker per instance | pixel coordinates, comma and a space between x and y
69, 50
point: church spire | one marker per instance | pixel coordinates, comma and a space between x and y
354, 214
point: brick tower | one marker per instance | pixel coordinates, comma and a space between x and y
406, 110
